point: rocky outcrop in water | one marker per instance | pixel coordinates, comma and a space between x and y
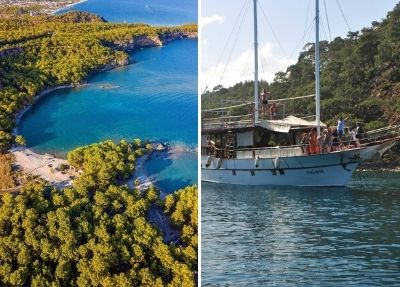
152, 41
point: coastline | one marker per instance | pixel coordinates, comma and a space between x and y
39, 96
28, 160
111, 66
43, 166
67, 7
379, 167
130, 48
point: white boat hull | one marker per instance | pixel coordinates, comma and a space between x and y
333, 169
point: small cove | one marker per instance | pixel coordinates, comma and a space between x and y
155, 99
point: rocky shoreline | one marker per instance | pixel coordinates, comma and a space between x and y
128, 47
152, 41
379, 166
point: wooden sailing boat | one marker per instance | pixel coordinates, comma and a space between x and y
235, 149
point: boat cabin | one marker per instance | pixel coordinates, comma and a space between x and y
246, 139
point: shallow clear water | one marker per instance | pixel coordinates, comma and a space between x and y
155, 98
301, 236
156, 12
172, 170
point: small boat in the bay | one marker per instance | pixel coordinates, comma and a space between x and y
246, 149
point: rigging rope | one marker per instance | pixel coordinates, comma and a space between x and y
327, 21
273, 31
323, 30
262, 61
341, 11
306, 24
246, 66
244, 16
248, 103
309, 30
229, 38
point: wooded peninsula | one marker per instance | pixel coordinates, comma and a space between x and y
96, 232
45, 51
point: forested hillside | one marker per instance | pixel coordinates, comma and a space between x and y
96, 233
46, 51
360, 78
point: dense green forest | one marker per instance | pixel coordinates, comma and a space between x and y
96, 233
45, 51
7, 179
182, 207
360, 78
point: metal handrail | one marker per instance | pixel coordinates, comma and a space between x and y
273, 147
227, 117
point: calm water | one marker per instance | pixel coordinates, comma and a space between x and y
156, 12
155, 98
303, 237
173, 170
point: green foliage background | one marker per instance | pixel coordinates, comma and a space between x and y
96, 233
47, 51
360, 78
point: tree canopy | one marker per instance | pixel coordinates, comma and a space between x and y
95, 233
45, 51
360, 78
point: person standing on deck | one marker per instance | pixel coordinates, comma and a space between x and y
314, 148
320, 141
264, 101
353, 139
327, 140
359, 132
335, 140
340, 129
272, 111
305, 141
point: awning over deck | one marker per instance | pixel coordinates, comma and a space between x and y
290, 122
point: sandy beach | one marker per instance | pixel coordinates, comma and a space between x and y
140, 173
41, 165
68, 6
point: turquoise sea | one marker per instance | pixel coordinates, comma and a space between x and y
155, 12
260, 236
155, 98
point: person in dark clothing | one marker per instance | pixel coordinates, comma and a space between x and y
335, 140
359, 133
264, 101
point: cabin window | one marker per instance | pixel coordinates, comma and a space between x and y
244, 139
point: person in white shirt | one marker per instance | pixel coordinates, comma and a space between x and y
340, 129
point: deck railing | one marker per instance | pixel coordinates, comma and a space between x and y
248, 153
382, 134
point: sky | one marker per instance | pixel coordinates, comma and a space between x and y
285, 26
